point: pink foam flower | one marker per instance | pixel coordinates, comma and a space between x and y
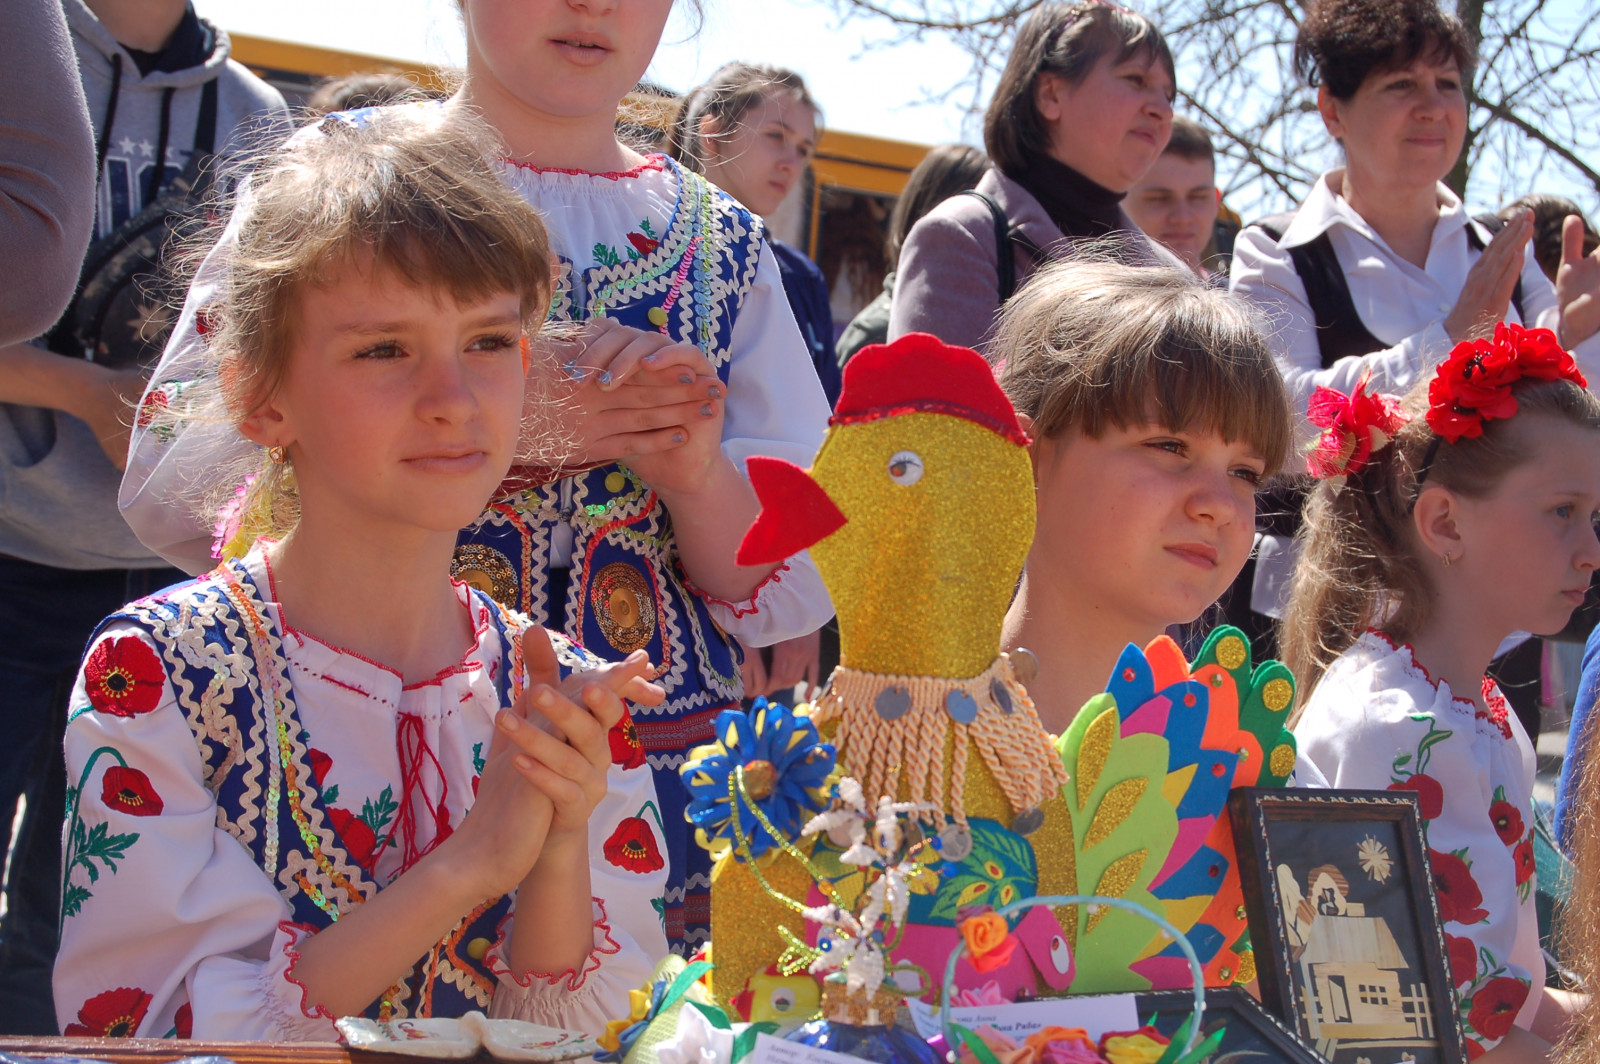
1354, 428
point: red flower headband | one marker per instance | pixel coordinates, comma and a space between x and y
1355, 427
1473, 385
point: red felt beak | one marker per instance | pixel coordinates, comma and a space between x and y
795, 512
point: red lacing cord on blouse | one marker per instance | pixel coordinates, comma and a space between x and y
415, 755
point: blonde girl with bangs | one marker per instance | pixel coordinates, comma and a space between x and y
1443, 522
325, 779
1156, 412
686, 362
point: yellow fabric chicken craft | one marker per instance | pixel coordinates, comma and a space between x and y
919, 512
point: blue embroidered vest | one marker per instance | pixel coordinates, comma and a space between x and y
626, 589
224, 657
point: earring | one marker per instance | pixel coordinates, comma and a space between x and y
277, 455
1448, 559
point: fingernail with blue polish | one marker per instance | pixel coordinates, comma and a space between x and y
715, 392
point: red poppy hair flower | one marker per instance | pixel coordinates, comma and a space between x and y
1495, 1007
1459, 894
627, 751
123, 676
127, 790
633, 846
1354, 428
1473, 385
113, 1014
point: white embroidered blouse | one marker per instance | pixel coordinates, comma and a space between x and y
1378, 721
170, 926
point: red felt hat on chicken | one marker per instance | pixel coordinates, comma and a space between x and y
919, 372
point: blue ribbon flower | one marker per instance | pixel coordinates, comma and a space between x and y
786, 770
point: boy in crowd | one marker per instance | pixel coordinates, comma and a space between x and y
1176, 201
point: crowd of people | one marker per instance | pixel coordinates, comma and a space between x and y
465, 385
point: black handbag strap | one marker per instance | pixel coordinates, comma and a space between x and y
1005, 256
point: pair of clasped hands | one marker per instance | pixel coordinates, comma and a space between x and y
637, 397
657, 404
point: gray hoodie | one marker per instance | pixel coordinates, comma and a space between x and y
58, 491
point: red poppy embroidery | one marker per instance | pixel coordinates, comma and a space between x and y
1495, 1007
113, 1014
1523, 855
1507, 820
320, 763
1463, 959
183, 1021
1459, 894
633, 846
356, 834
128, 790
153, 404
626, 749
642, 244
123, 676
1429, 794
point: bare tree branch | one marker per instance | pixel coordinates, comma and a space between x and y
1235, 73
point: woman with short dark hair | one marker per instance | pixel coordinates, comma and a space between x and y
1382, 269
1420, 272
1083, 107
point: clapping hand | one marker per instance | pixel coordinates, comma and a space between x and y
1577, 285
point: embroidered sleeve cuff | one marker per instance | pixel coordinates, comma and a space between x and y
298, 1019
568, 982
789, 603
750, 606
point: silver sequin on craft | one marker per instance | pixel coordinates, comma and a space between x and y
1001, 696
1028, 821
962, 707
955, 842
893, 703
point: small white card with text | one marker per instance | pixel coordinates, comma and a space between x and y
770, 1050
1099, 1015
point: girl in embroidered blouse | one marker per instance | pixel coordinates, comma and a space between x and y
1155, 413
326, 779
627, 540
1442, 524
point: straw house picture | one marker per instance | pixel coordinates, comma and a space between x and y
1342, 910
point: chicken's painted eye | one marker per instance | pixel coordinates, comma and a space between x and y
905, 467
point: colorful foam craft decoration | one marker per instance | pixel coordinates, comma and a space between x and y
919, 512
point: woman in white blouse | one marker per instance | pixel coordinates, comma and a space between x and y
1422, 274
1399, 270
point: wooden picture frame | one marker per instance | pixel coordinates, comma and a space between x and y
1252, 1035
1350, 949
